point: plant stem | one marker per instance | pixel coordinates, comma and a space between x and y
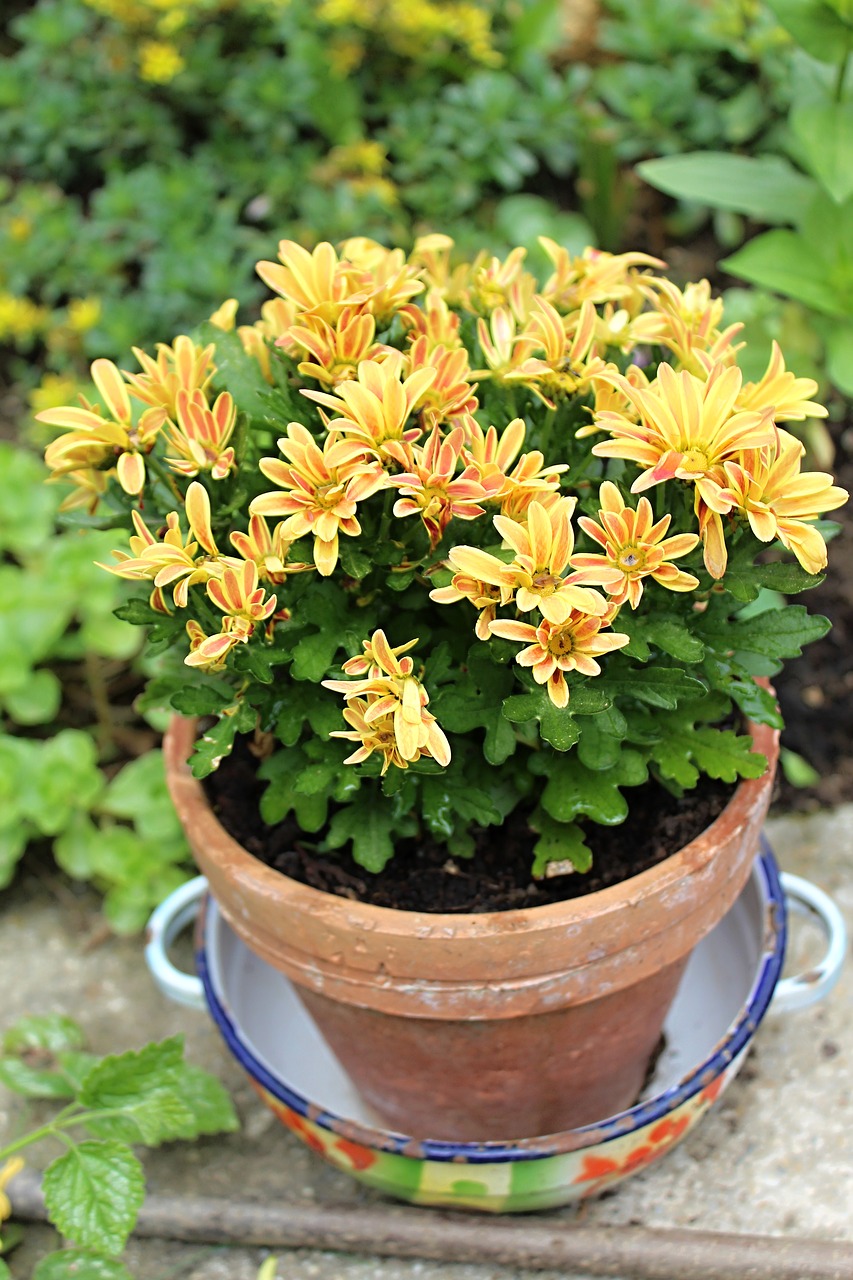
97, 686
841, 75
66, 1119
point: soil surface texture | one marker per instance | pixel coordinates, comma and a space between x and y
421, 876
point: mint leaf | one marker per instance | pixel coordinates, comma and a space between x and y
207, 1101
141, 1085
79, 1264
33, 1082
93, 1194
52, 1032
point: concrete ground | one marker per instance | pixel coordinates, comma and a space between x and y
774, 1157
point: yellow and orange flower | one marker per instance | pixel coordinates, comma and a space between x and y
780, 501
543, 548
635, 546
318, 282
269, 551
388, 708
184, 366
594, 276
555, 648
431, 488
200, 435
245, 606
100, 439
320, 489
373, 409
449, 400
778, 390
335, 351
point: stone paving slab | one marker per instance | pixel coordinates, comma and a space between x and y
774, 1157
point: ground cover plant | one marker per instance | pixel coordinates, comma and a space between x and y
167, 144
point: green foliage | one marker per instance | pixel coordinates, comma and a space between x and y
94, 1190
807, 188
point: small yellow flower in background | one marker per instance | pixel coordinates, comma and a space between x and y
159, 61
20, 228
431, 258
10, 1170
21, 320
388, 709
554, 648
449, 401
433, 321
687, 323
54, 390
83, 314
635, 547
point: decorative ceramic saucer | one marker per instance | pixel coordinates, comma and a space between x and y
727, 988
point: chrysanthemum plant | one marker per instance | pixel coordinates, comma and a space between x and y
453, 542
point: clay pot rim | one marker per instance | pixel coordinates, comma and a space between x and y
656, 881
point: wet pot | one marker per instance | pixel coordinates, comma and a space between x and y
485, 1026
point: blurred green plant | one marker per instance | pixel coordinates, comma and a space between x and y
167, 145
802, 188
56, 616
94, 1190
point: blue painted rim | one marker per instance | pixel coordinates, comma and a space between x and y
736, 1039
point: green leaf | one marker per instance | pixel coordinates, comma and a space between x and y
80, 1264
34, 1082
354, 562
556, 724
48, 1032
816, 27
207, 1101
13, 843
240, 374
93, 1194
137, 611
559, 842
825, 131
766, 188
314, 655
201, 700
667, 632
218, 741
368, 824
685, 749
656, 686
573, 789
598, 749
839, 357
787, 263
756, 702
775, 634
797, 771
37, 701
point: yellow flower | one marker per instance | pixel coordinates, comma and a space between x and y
244, 604
269, 551
20, 319
431, 489
317, 282
335, 350
225, 315
373, 409
388, 708
182, 367
543, 549
201, 433
10, 1170
54, 390
635, 547
687, 322
554, 648
594, 276
780, 501
781, 392
321, 489
688, 427
159, 61
94, 440
83, 314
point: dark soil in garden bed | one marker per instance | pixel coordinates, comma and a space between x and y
421, 876
816, 691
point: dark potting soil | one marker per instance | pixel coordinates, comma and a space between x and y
423, 877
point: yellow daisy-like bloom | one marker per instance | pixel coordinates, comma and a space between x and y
94, 440
201, 433
687, 322
449, 400
390, 699
484, 596
170, 561
688, 427
543, 550
431, 489
182, 367
320, 489
245, 605
514, 487
635, 547
595, 276
432, 320
493, 283
431, 258
89, 487
393, 281
787, 396
269, 551
335, 351
554, 648
780, 501
373, 409
317, 282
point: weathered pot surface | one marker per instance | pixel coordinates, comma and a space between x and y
450, 1024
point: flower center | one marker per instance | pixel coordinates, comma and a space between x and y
561, 643
631, 560
694, 460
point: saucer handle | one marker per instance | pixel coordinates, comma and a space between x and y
802, 989
167, 921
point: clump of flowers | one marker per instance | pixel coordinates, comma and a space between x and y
455, 542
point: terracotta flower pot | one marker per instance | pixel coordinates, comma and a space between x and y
499, 1025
